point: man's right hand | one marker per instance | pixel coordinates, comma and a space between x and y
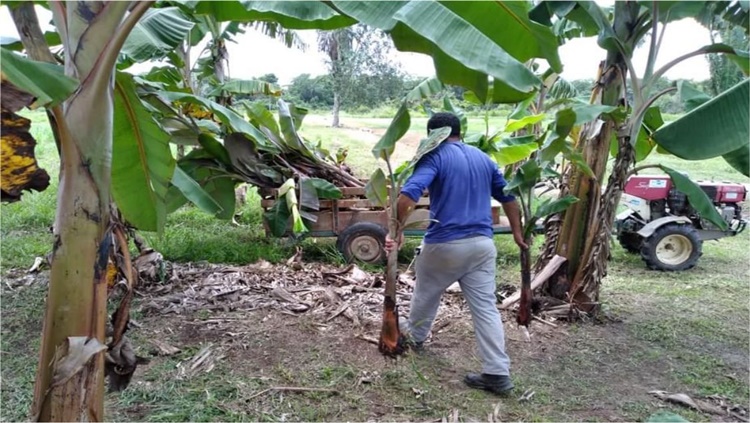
391, 244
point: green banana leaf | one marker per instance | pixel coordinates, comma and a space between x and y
425, 89
521, 37
247, 86
246, 161
324, 188
215, 148
262, 118
376, 189
739, 57
718, 127
156, 34
690, 96
513, 150
464, 43
289, 120
44, 81
289, 14
516, 124
193, 192
14, 43
463, 120
213, 182
524, 178
670, 10
592, 16
396, 130
142, 162
277, 217
549, 206
696, 196
436, 137
227, 116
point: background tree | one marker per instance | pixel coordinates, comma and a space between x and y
315, 92
353, 53
724, 72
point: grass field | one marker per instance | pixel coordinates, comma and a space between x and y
682, 332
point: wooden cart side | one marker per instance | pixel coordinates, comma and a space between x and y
334, 216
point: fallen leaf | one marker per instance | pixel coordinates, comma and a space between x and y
163, 348
685, 400
454, 288
526, 396
72, 356
36, 266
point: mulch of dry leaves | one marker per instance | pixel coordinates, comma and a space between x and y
326, 293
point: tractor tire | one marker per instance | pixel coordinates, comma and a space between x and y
672, 247
363, 241
630, 241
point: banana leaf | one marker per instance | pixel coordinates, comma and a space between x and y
719, 127
142, 162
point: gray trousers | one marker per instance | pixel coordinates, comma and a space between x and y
471, 262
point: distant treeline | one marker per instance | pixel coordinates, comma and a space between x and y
373, 91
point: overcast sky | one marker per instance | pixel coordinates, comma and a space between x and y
255, 54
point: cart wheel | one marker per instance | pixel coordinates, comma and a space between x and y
672, 247
363, 241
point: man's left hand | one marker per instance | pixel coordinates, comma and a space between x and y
520, 241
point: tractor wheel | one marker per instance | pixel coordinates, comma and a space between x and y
363, 241
630, 241
672, 247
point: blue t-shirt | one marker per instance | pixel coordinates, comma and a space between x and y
461, 180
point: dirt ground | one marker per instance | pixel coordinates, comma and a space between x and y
279, 325
294, 342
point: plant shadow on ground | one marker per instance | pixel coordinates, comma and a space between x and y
679, 332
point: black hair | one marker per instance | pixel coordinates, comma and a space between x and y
439, 120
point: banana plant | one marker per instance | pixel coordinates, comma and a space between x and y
70, 378
382, 190
71, 367
583, 233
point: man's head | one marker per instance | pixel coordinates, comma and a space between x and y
439, 120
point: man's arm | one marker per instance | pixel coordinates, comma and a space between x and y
513, 212
404, 207
510, 207
423, 175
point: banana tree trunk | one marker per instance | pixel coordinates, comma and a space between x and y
77, 300
220, 58
581, 234
70, 378
391, 343
593, 263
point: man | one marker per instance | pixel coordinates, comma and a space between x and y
459, 247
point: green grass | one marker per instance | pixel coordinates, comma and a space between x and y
19, 346
707, 170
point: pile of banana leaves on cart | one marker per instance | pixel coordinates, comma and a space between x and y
245, 143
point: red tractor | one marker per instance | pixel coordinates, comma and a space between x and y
665, 229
